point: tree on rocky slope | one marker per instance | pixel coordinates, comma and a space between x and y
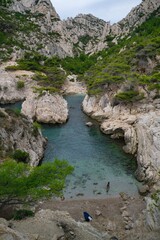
20, 183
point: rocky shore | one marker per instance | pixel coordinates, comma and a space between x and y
137, 124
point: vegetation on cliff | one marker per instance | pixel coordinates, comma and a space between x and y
134, 61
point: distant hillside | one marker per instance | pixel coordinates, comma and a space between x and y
34, 26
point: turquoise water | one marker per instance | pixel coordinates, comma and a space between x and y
96, 157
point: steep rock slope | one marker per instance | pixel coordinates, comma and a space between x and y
17, 132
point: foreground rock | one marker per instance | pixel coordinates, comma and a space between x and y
48, 108
17, 132
54, 225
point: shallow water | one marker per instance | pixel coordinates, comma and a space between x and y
96, 157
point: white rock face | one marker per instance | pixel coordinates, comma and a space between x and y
97, 108
41, 6
148, 152
120, 129
47, 108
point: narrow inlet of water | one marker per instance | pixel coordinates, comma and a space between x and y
97, 158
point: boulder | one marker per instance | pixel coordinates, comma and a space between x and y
89, 124
143, 190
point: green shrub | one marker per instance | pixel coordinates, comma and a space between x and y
23, 184
20, 156
23, 213
20, 84
41, 90
16, 111
129, 96
11, 68
36, 127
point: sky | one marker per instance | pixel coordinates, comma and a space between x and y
108, 10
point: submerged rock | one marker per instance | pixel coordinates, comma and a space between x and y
89, 124
48, 108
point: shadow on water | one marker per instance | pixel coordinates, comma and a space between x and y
96, 157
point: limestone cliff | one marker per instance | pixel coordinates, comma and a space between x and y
136, 123
138, 15
17, 132
41, 6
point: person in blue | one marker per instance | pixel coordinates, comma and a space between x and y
87, 217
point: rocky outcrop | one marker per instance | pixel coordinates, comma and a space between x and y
17, 132
119, 129
56, 225
89, 31
8, 233
138, 124
153, 211
48, 108
138, 15
15, 85
41, 6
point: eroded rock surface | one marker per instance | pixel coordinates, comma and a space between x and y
17, 132
48, 108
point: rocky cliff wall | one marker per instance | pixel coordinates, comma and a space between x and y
138, 124
17, 132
